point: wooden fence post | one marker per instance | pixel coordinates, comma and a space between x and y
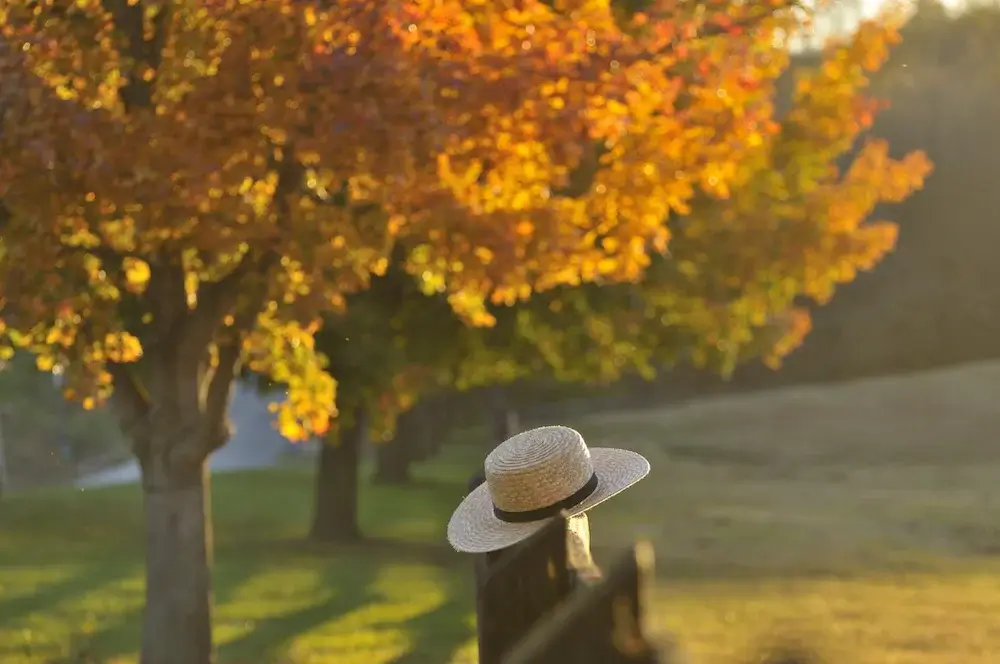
521, 586
599, 625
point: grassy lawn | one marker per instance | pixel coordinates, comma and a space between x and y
71, 577
862, 519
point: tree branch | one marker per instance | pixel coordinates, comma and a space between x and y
216, 390
128, 17
249, 279
133, 406
167, 298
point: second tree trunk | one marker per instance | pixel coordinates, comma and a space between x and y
394, 458
335, 516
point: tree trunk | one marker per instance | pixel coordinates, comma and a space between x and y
429, 425
172, 440
437, 421
504, 418
173, 406
393, 459
335, 518
175, 417
177, 625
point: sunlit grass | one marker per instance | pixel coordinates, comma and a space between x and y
769, 526
71, 577
945, 615
300, 609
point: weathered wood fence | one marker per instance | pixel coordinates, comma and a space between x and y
533, 610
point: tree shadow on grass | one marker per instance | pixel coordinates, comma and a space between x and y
268, 639
123, 637
55, 599
50, 596
437, 634
378, 549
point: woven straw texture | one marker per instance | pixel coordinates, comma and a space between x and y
532, 470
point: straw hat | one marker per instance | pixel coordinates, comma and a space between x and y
531, 478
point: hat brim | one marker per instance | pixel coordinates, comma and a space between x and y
474, 528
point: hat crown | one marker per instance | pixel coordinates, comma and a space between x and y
537, 468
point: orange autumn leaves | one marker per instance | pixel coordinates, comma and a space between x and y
509, 147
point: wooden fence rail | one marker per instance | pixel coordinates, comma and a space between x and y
532, 609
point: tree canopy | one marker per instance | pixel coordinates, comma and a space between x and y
220, 138
736, 284
172, 165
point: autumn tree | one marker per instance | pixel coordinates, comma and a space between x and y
737, 284
189, 187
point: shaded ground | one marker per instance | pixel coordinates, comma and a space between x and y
861, 517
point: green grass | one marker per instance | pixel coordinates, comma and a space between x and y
71, 577
861, 520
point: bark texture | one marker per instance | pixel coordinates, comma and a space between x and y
177, 624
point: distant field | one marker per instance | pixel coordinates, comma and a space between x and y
863, 518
